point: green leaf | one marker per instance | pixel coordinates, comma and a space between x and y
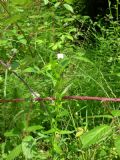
63, 113
46, 2
117, 144
34, 128
66, 89
21, 2
65, 132
95, 135
15, 153
56, 46
29, 70
11, 133
64, 62
57, 147
23, 41
12, 19
27, 147
68, 7
70, 37
118, 74
69, 1
53, 130
57, 4
54, 81
81, 58
1, 79
116, 113
39, 41
3, 42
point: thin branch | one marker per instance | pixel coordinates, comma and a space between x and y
7, 66
25, 83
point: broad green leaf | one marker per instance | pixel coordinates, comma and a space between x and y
27, 147
15, 153
68, 7
117, 144
46, 2
116, 113
95, 135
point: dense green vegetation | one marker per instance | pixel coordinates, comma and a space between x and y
33, 34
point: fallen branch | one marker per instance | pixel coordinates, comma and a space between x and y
81, 98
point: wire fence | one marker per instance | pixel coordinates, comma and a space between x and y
80, 98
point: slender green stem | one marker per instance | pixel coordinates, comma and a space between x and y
5, 83
117, 9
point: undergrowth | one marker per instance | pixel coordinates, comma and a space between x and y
33, 36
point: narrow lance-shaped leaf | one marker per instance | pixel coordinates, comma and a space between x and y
57, 4
34, 128
15, 153
68, 7
95, 135
84, 59
66, 89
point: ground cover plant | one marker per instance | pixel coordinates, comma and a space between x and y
55, 49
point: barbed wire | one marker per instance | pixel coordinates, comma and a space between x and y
80, 98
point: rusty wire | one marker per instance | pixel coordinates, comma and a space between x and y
81, 98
